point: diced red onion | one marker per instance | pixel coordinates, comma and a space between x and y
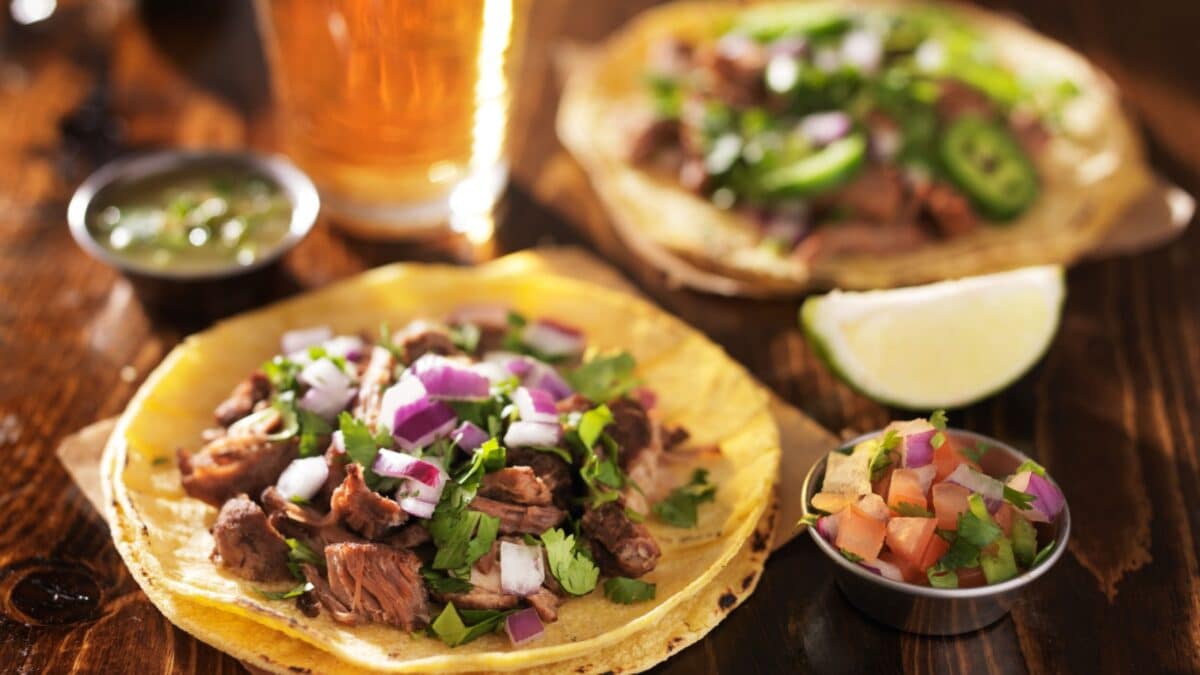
918, 448
883, 569
515, 364
417, 507
827, 526
329, 388
303, 338
349, 347
404, 393
863, 49
925, 475
480, 315
446, 379
303, 478
521, 568
400, 465
422, 422
987, 487
523, 626
1048, 500
552, 338
494, 372
522, 434
824, 128
535, 405
468, 436
874, 506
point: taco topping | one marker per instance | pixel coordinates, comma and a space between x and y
465, 477
843, 132
913, 505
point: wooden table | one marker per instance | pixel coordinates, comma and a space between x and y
1113, 411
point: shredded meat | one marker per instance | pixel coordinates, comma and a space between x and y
241, 401
515, 519
877, 195
545, 604
517, 485
838, 239
950, 212
301, 522
421, 338
233, 465
362, 509
620, 546
246, 543
336, 461
485, 591
409, 536
651, 136
639, 439
674, 436
550, 469
371, 582
735, 66
376, 376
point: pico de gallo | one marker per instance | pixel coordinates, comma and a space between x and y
913, 505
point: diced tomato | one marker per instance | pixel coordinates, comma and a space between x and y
947, 458
908, 538
860, 534
949, 500
933, 552
970, 577
1004, 518
906, 487
880, 487
911, 574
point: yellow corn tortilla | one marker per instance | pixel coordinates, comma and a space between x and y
1088, 179
698, 386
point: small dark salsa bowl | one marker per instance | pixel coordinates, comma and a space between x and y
197, 293
923, 609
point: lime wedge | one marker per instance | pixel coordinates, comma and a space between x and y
943, 345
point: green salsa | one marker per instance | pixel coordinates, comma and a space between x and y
192, 220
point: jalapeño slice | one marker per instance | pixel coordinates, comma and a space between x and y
983, 159
823, 170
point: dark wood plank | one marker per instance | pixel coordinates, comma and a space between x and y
1113, 411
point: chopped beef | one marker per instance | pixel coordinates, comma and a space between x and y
409, 536
651, 136
363, 510
956, 99
336, 462
246, 544
242, 400
488, 561
481, 598
305, 523
233, 465
949, 210
371, 582
550, 468
517, 485
735, 69
515, 519
545, 603
621, 546
877, 195
421, 338
632, 429
376, 376
674, 436
856, 238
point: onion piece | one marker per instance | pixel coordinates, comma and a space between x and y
863, 49
422, 422
827, 526
303, 338
329, 388
552, 338
523, 626
989, 488
337, 442
417, 507
883, 569
535, 405
480, 315
404, 393
821, 129
1048, 500
349, 347
918, 448
468, 436
303, 478
446, 379
521, 568
400, 465
523, 434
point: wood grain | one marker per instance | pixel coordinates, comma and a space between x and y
1114, 410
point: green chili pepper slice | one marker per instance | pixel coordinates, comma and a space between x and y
828, 168
982, 159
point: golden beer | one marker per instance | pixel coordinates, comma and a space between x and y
397, 109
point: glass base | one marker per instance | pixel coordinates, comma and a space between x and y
470, 199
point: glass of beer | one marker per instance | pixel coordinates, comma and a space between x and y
397, 109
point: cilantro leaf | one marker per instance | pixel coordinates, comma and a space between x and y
570, 563
976, 453
634, 515
1019, 499
938, 440
440, 583
592, 424
910, 510
361, 448
296, 591
1042, 555
977, 532
938, 420
883, 457
681, 507
604, 378
1030, 465
312, 427
450, 628
460, 535
491, 456
299, 552
962, 553
852, 557
465, 337
282, 372
627, 591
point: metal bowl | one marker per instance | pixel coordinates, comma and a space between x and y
208, 293
936, 611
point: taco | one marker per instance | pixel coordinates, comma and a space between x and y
528, 470
854, 145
